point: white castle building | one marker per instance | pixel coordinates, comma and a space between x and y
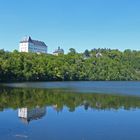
30, 45
58, 51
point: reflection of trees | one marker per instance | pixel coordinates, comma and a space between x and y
18, 98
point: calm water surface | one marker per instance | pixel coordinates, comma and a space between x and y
70, 111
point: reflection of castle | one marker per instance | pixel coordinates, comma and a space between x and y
27, 115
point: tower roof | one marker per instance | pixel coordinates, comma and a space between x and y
59, 50
35, 42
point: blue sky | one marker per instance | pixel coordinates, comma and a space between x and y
81, 24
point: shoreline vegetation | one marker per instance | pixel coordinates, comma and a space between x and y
95, 65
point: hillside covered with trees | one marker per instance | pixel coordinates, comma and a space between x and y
97, 64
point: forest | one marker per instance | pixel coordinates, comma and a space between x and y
94, 65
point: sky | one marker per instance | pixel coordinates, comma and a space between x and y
79, 24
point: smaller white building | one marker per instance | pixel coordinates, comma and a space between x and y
27, 44
58, 51
99, 54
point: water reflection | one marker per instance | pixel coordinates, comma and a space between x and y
82, 116
34, 98
27, 114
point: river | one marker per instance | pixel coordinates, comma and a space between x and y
70, 111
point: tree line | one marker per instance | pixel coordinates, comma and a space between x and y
96, 64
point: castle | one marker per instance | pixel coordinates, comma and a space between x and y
27, 44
